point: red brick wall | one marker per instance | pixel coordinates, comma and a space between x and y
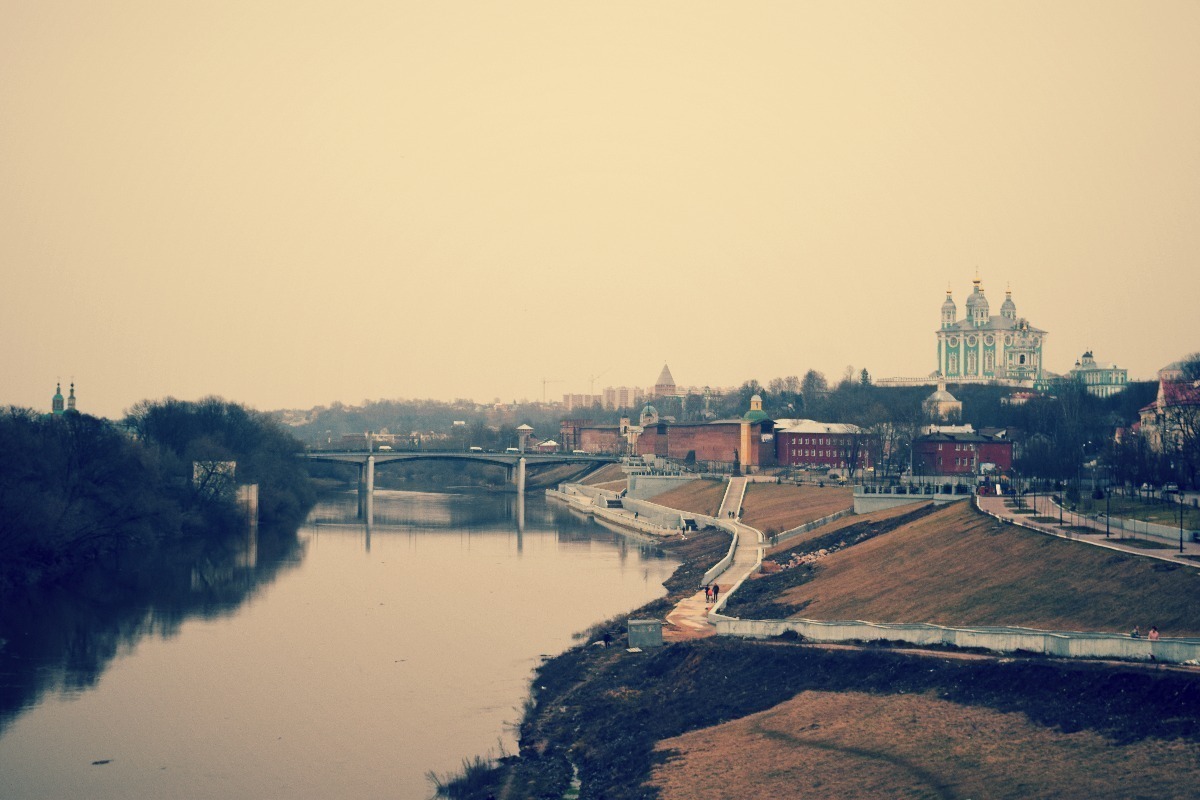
600, 440
998, 453
710, 442
652, 441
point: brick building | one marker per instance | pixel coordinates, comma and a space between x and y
959, 454
824, 445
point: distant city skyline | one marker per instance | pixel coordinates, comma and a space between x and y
292, 204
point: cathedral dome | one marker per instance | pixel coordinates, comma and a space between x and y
1008, 308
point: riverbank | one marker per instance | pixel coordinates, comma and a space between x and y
610, 713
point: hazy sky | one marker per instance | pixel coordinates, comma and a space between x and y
290, 203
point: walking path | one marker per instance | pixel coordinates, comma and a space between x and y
689, 618
1119, 540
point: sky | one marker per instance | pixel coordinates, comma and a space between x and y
292, 203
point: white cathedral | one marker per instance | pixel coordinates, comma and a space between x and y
983, 348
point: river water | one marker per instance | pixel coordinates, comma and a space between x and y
348, 664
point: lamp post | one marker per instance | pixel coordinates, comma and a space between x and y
1179, 497
1107, 511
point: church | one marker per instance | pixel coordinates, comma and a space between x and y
983, 348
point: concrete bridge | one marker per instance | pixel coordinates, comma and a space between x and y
513, 463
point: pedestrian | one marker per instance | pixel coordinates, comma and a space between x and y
1135, 633
707, 594
716, 591
1153, 636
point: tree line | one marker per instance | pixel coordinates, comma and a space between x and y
77, 489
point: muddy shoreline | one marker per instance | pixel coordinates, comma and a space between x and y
601, 711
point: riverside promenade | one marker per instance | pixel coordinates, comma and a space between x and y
1089, 530
689, 618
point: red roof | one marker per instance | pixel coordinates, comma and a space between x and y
1181, 393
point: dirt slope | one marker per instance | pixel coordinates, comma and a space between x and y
829, 746
958, 567
773, 508
698, 496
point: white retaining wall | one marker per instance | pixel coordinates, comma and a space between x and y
1066, 644
810, 526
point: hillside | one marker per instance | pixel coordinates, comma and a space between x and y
609, 476
698, 496
773, 508
956, 566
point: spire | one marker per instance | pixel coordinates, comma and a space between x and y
665, 385
56, 403
71, 399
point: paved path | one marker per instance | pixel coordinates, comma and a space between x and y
1046, 507
689, 618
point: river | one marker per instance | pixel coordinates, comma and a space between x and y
347, 665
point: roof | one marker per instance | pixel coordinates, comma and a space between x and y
1181, 393
664, 378
813, 426
941, 396
966, 438
994, 323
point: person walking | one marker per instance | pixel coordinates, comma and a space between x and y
1135, 633
708, 594
716, 590
1153, 635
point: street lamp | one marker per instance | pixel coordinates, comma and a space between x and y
1179, 497
1107, 511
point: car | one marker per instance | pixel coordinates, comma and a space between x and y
579, 452
511, 450
383, 447
474, 449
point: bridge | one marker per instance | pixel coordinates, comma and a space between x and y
514, 464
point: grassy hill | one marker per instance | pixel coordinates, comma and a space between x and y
956, 566
698, 496
774, 508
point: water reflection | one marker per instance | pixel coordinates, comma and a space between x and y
386, 650
61, 639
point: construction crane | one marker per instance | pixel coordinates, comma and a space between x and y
592, 382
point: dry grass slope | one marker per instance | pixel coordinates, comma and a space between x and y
774, 507
699, 496
958, 567
608, 474
828, 746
